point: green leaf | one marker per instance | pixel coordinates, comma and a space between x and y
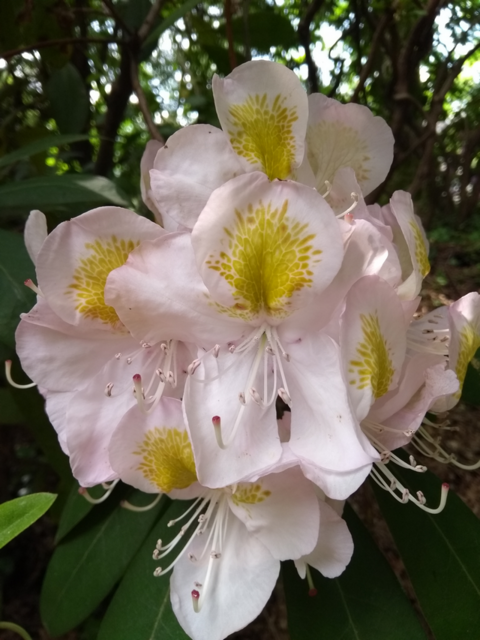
51, 192
169, 21
441, 554
69, 99
15, 268
279, 33
471, 385
141, 591
10, 414
88, 563
75, 510
38, 146
365, 603
18, 514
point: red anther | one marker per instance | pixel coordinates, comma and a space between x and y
137, 377
195, 594
312, 592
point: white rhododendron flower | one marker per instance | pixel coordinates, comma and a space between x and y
257, 350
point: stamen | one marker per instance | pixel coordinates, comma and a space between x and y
84, 492
193, 366
216, 351
195, 600
241, 397
284, 396
146, 345
129, 360
8, 375
217, 425
329, 188
108, 390
118, 355
30, 284
161, 375
355, 199
256, 396
125, 504
312, 590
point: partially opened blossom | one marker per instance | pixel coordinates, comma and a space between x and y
235, 535
260, 253
76, 348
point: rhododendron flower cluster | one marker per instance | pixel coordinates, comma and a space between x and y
256, 349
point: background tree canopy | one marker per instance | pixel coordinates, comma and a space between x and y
84, 84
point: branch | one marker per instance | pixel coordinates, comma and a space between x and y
304, 37
228, 26
117, 17
57, 43
367, 67
142, 103
147, 25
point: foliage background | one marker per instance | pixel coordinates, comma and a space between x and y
84, 84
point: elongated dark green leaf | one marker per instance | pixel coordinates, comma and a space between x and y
170, 20
471, 385
15, 268
18, 514
365, 603
280, 32
68, 98
38, 146
75, 510
141, 591
441, 554
88, 563
51, 191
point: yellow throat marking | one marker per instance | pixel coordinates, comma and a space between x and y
167, 459
374, 365
269, 257
250, 494
332, 145
262, 134
91, 275
469, 341
421, 255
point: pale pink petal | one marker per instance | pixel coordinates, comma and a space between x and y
266, 248
242, 580
373, 341
325, 436
158, 293
263, 109
77, 257
194, 162
59, 356
56, 404
280, 510
35, 233
347, 135
146, 163
213, 390
334, 548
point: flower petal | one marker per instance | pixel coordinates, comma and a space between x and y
334, 548
159, 294
373, 341
242, 581
266, 248
347, 135
280, 510
194, 162
214, 390
146, 163
263, 108
35, 233
325, 436
77, 257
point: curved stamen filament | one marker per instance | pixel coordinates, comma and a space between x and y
84, 492
393, 485
8, 375
423, 439
355, 199
125, 504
